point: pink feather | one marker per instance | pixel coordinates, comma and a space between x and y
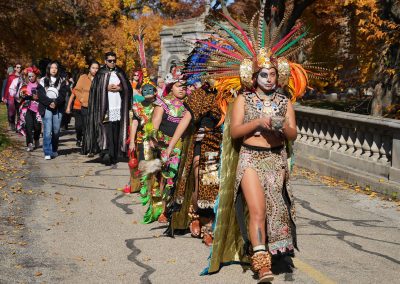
247, 40
282, 41
226, 51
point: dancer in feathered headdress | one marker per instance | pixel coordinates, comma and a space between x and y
140, 138
254, 174
200, 166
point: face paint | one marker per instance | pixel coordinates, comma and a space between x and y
148, 91
266, 79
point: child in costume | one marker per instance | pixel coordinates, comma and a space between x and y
166, 117
139, 137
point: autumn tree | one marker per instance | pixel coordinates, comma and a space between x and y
364, 38
76, 31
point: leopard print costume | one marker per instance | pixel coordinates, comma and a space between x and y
202, 104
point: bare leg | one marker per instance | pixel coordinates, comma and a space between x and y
254, 195
195, 223
196, 161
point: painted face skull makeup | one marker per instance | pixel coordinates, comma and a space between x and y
267, 78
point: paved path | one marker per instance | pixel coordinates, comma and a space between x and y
75, 227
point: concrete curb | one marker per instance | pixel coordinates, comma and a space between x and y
350, 175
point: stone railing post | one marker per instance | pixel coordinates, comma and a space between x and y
395, 154
369, 146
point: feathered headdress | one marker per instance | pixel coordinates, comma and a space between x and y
32, 69
139, 40
235, 53
174, 76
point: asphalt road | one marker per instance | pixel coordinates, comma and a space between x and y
71, 225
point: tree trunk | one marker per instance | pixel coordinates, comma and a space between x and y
376, 109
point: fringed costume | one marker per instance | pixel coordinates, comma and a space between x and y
174, 110
205, 143
236, 53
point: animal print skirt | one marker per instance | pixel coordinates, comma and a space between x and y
271, 166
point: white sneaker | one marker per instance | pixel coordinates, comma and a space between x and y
47, 157
30, 147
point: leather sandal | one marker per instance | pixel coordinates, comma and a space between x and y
194, 225
261, 264
207, 235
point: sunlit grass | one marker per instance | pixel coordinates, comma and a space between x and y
4, 139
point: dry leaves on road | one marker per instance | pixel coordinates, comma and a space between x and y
335, 183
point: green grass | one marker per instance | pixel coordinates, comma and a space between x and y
4, 139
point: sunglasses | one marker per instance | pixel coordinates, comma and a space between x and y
17, 67
111, 60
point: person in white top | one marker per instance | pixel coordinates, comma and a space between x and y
51, 108
110, 100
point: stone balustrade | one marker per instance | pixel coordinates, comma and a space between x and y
357, 146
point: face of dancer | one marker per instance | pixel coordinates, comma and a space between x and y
53, 70
266, 79
32, 77
111, 62
179, 90
148, 91
93, 69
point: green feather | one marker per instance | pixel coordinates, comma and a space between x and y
264, 24
290, 44
235, 38
147, 216
152, 214
144, 196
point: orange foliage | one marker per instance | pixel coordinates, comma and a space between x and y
370, 34
77, 31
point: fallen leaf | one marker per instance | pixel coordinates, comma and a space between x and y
80, 258
38, 273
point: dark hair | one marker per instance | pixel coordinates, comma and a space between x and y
94, 62
68, 74
17, 63
47, 77
110, 53
168, 88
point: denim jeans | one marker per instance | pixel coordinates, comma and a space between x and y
51, 131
